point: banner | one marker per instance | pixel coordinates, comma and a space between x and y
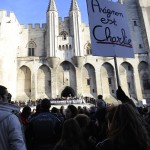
109, 30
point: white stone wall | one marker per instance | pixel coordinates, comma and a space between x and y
14, 55
9, 42
30, 33
145, 8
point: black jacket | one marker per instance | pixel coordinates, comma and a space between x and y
43, 129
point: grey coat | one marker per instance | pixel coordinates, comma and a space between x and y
11, 136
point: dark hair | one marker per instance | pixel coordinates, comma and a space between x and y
38, 108
26, 111
83, 120
73, 110
71, 138
71, 130
127, 129
26, 108
2, 91
45, 104
100, 96
54, 110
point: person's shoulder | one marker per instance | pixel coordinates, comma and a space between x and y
44, 116
12, 116
12, 121
101, 103
4, 115
54, 117
104, 145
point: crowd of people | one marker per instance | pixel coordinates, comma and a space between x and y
101, 127
56, 101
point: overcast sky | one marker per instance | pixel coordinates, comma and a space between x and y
34, 11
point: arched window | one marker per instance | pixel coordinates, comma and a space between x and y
143, 69
135, 23
59, 47
64, 35
63, 47
70, 47
66, 66
31, 48
66, 47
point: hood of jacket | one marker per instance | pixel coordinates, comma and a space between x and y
7, 109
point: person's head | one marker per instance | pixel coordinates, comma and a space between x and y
100, 97
71, 111
45, 105
62, 107
55, 110
26, 112
3, 94
38, 108
71, 131
83, 121
125, 123
92, 110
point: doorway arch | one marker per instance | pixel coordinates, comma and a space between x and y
68, 92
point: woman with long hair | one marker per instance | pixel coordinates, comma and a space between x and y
126, 130
71, 138
71, 112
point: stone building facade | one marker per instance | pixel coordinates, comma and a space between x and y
55, 60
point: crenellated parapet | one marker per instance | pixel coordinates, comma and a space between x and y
36, 26
4, 13
64, 25
8, 16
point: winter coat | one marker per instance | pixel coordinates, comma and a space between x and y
43, 131
11, 136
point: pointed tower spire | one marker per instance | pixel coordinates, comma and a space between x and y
75, 27
52, 29
74, 5
52, 6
